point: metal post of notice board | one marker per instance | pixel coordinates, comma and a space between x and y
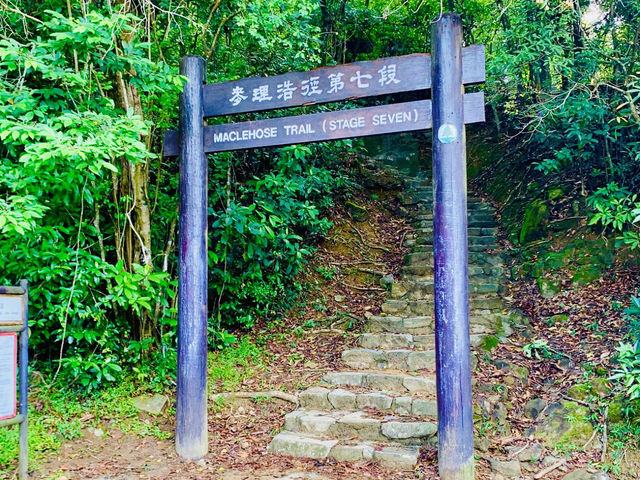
14, 321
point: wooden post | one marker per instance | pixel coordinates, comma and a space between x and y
23, 460
455, 410
191, 405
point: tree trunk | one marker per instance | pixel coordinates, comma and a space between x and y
327, 29
503, 16
133, 185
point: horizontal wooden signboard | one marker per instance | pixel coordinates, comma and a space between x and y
11, 309
331, 84
319, 127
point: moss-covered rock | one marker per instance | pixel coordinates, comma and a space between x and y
565, 423
585, 474
565, 224
559, 319
554, 193
582, 259
555, 260
358, 212
514, 372
600, 385
549, 288
615, 412
519, 270
489, 342
586, 274
534, 408
580, 391
602, 372
516, 317
534, 221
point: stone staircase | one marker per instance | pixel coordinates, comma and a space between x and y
382, 406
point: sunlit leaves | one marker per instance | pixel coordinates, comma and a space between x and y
62, 142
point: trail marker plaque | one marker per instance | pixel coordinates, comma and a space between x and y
445, 72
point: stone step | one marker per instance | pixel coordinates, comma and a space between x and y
427, 228
476, 274
320, 398
423, 236
477, 244
416, 308
305, 446
416, 247
419, 327
426, 192
418, 290
426, 210
427, 239
395, 340
471, 214
424, 255
426, 206
424, 271
387, 381
360, 425
488, 222
425, 279
386, 340
405, 360
422, 326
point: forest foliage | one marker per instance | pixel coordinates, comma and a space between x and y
88, 212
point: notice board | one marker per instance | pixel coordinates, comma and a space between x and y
8, 366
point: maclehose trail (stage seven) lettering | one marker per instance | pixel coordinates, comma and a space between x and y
318, 127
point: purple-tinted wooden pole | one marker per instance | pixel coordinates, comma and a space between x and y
191, 405
455, 410
23, 465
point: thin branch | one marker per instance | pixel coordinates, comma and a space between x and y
213, 10
75, 52
363, 289
362, 240
214, 42
593, 435
73, 284
603, 456
550, 468
360, 262
15, 10
518, 452
585, 404
287, 397
371, 271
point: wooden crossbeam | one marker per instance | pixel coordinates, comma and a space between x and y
331, 84
319, 127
